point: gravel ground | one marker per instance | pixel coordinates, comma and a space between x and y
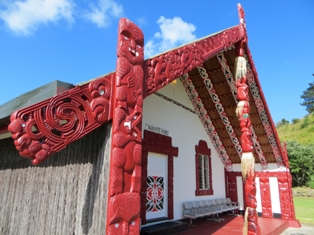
306, 229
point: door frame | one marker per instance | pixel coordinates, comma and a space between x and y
234, 195
157, 143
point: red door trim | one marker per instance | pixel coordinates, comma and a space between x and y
157, 143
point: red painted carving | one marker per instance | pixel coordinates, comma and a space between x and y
264, 113
124, 214
251, 218
126, 153
285, 195
241, 13
243, 112
265, 197
286, 204
160, 71
203, 149
253, 227
168, 66
49, 126
250, 191
157, 143
221, 111
285, 156
206, 121
144, 182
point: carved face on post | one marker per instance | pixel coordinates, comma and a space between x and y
124, 216
131, 42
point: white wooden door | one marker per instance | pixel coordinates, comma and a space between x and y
157, 186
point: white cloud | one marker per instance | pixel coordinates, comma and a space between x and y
173, 33
99, 15
24, 17
142, 21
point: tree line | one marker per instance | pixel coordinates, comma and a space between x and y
301, 158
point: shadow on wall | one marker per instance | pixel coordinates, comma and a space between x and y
101, 163
82, 151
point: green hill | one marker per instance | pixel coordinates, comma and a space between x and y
301, 130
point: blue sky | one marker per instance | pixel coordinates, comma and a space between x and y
75, 41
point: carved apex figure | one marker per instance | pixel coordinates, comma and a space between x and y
126, 149
130, 42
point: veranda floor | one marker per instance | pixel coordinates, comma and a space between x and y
233, 225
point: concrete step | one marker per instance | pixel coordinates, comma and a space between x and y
167, 228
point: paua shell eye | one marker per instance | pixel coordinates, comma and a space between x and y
126, 34
139, 43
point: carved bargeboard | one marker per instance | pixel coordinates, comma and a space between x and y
168, 66
47, 127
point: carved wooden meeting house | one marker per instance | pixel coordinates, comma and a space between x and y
145, 143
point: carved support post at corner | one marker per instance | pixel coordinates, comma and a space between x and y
243, 112
286, 198
123, 211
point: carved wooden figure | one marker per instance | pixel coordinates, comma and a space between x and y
125, 166
265, 197
124, 214
243, 112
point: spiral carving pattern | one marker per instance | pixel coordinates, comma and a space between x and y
49, 126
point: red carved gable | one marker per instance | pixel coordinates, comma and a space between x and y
49, 126
232, 110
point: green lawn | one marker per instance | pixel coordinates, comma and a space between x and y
304, 208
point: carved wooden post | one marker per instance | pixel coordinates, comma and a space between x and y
243, 113
286, 199
123, 213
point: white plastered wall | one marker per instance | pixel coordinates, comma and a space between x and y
186, 130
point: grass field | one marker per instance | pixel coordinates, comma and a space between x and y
304, 208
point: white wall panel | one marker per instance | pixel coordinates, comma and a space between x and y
186, 130
258, 195
240, 192
274, 195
